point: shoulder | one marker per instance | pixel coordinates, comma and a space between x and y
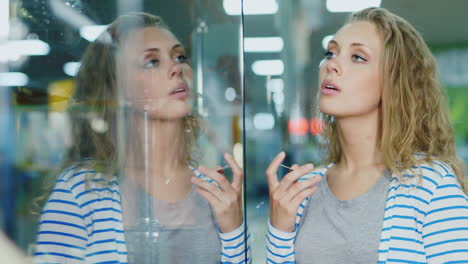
79, 174
423, 187
429, 175
81, 180
72, 175
432, 171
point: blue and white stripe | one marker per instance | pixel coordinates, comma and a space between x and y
425, 220
82, 223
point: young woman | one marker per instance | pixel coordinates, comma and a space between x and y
392, 190
138, 199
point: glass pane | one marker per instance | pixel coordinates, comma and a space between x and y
110, 107
282, 85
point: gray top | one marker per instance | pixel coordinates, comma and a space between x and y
169, 232
342, 231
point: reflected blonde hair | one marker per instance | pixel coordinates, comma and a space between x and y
415, 116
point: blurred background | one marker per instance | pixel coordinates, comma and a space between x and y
255, 76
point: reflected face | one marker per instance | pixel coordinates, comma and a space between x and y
350, 73
158, 79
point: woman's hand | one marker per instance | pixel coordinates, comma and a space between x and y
226, 198
287, 195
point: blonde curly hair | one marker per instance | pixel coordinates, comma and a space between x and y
415, 116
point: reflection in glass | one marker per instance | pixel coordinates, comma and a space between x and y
133, 194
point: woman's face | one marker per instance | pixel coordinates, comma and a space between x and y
158, 79
350, 82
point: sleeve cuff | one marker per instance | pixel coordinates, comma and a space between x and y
233, 235
279, 234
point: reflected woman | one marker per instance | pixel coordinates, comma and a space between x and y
392, 189
150, 205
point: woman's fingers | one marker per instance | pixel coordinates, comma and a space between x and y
209, 187
225, 201
272, 177
212, 200
289, 194
300, 186
299, 198
293, 176
217, 177
237, 173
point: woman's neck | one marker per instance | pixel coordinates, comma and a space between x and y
359, 138
161, 149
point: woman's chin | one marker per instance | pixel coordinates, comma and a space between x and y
328, 110
169, 114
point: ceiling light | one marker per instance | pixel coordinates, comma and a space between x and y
71, 68
251, 7
268, 67
325, 41
13, 79
4, 19
91, 33
350, 6
277, 85
264, 121
14, 49
267, 44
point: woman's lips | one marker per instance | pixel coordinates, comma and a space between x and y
181, 92
180, 95
328, 91
329, 88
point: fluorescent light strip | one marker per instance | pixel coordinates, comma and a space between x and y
267, 44
91, 33
268, 67
4, 19
13, 79
264, 121
350, 6
14, 49
28, 47
251, 7
71, 68
277, 85
325, 41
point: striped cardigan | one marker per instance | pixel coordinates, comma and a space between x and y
425, 220
82, 223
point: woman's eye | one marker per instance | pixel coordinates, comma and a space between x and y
329, 55
151, 63
358, 58
181, 59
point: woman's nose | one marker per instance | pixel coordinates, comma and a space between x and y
175, 70
332, 66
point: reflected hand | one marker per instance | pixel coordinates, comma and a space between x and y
226, 198
287, 195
